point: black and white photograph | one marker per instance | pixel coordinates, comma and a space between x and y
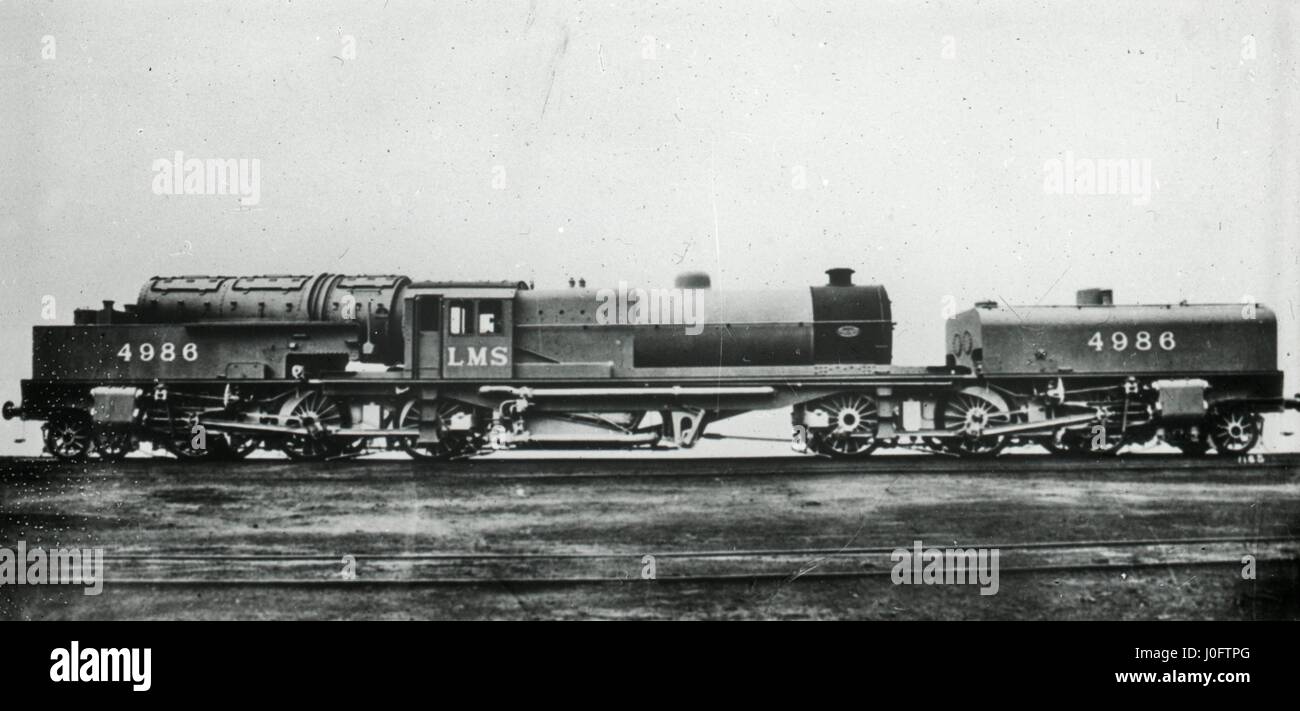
566, 310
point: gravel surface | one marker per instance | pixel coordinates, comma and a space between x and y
635, 507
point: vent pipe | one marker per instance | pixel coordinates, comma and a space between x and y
693, 280
1095, 297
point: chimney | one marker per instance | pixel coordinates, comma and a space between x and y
1095, 297
105, 316
840, 276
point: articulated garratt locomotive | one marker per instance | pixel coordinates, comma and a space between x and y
333, 366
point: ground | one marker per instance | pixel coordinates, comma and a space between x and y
626, 509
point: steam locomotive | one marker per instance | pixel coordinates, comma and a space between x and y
331, 366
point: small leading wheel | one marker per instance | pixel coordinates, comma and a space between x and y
69, 436
112, 445
450, 442
853, 419
1235, 430
968, 414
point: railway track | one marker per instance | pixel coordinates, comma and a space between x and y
719, 553
602, 580
584, 568
667, 467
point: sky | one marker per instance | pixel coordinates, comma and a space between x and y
922, 144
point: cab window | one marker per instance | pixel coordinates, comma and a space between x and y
489, 318
459, 317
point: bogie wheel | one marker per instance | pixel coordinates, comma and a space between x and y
113, 445
1191, 446
1097, 440
942, 445
1194, 449
236, 446
450, 442
854, 419
969, 414
1057, 442
1235, 430
218, 446
69, 436
182, 448
190, 443
319, 414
